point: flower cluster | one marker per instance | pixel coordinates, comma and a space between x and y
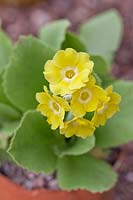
74, 94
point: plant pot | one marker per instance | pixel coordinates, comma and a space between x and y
18, 2
11, 191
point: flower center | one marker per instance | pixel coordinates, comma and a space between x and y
69, 73
85, 96
55, 107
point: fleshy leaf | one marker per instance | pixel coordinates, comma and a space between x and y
4, 156
9, 127
5, 49
32, 145
6, 132
3, 140
101, 68
119, 129
85, 172
3, 98
78, 146
98, 79
24, 76
102, 34
8, 113
100, 65
54, 33
73, 41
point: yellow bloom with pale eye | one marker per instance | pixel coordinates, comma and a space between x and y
106, 109
52, 107
68, 71
87, 98
79, 127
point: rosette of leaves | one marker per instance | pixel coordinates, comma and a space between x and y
34, 145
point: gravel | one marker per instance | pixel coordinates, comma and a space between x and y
28, 179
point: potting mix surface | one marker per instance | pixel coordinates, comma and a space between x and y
28, 20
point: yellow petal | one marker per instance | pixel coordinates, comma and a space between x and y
60, 88
78, 82
67, 57
84, 62
111, 110
42, 97
83, 59
115, 98
62, 102
109, 89
44, 109
52, 108
52, 72
78, 109
99, 93
91, 81
79, 127
98, 120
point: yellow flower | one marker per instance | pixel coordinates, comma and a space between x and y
52, 107
106, 109
87, 98
79, 127
68, 71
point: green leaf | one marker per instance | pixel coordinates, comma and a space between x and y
3, 140
98, 79
119, 129
8, 128
4, 156
85, 172
2, 94
3, 98
102, 34
53, 34
100, 65
32, 145
6, 132
5, 49
101, 68
8, 113
5, 54
24, 76
78, 146
73, 41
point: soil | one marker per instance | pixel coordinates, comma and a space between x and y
28, 20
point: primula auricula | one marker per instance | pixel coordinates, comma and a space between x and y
70, 73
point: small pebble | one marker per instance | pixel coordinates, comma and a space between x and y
28, 179
38, 183
28, 185
129, 177
53, 185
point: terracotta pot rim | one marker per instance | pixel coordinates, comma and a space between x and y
9, 181
11, 191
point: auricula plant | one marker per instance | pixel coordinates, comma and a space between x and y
60, 104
